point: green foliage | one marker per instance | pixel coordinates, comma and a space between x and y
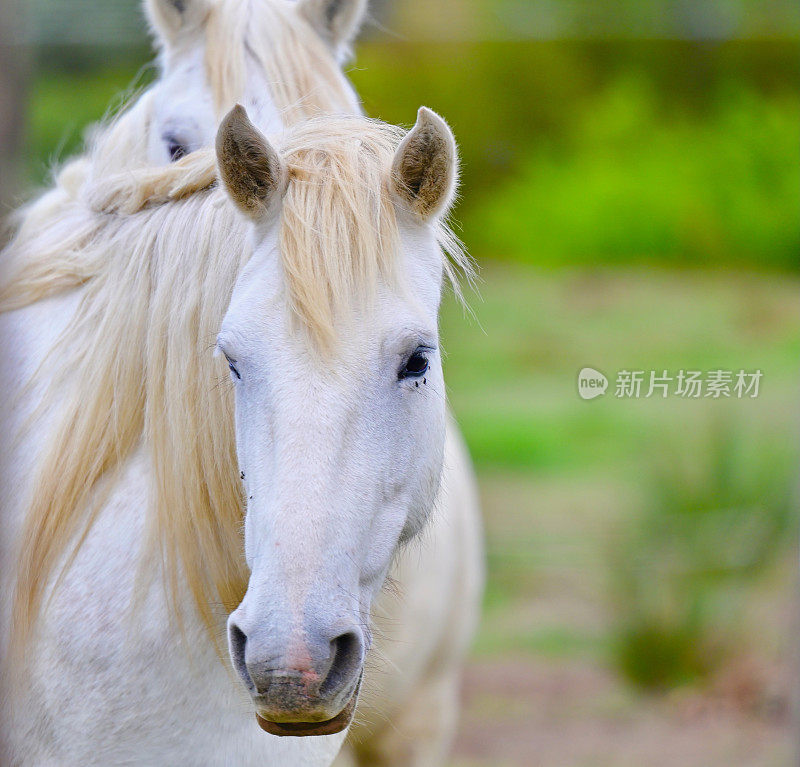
715, 516
639, 184
710, 19
65, 104
581, 153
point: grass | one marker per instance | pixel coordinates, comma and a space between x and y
512, 372
713, 522
564, 479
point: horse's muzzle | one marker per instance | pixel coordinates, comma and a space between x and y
305, 687
303, 729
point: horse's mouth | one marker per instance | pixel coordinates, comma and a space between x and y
306, 729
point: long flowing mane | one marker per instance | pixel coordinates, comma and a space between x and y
135, 365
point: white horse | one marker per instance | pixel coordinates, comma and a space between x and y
335, 481
409, 700
281, 60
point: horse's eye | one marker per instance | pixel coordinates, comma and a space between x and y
416, 365
232, 367
176, 150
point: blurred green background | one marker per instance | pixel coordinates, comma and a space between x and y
631, 195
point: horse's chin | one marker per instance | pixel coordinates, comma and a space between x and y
305, 729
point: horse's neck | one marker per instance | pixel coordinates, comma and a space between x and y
30, 381
31, 356
30, 335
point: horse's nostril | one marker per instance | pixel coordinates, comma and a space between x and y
347, 652
289, 677
237, 641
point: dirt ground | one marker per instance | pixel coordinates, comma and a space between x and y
528, 712
540, 691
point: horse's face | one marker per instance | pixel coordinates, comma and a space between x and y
202, 42
340, 452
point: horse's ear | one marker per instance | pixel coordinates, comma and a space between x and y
425, 167
249, 167
336, 21
171, 19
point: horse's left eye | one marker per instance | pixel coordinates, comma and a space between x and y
416, 366
176, 150
232, 368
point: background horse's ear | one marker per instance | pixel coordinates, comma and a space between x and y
249, 167
169, 19
425, 167
336, 21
